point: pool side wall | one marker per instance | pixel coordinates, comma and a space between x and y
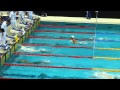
14, 47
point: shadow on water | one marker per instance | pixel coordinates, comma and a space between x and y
19, 75
45, 76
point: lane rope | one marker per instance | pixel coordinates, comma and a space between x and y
33, 65
61, 38
57, 46
64, 32
87, 39
106, 70
88, 47
96, 57
28, 54
64, 67
108, 49
106, 58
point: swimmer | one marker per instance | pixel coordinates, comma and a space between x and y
103, 75
22, 61
74, 41
28, 49
27, 62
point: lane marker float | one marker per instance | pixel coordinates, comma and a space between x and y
64, 32
64, 67
33, 65
106, 58
88, 47
96, 57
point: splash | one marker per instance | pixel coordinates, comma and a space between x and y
82, 42
46, 61
31, 49
100, 38
28, 49
104, 75
103, 38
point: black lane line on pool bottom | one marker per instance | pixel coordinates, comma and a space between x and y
20, 75
33, 65
83, 39
61, 38
6, 78
64, 32
21, 53
58, 26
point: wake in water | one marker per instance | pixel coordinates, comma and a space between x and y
39, 62
81, 42
100, 39
104, 75
31, 49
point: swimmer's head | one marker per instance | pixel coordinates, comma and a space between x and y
72, 37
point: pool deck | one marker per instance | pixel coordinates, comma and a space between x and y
80, 20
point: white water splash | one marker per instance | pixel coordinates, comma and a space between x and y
82, 42
104, 75
46, 61
100, 38
31, 49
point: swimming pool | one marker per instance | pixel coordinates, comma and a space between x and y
67, 60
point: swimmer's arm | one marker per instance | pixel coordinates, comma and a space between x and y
75, 42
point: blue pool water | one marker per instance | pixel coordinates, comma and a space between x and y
107, 36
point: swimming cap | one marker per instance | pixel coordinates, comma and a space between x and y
72, 36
